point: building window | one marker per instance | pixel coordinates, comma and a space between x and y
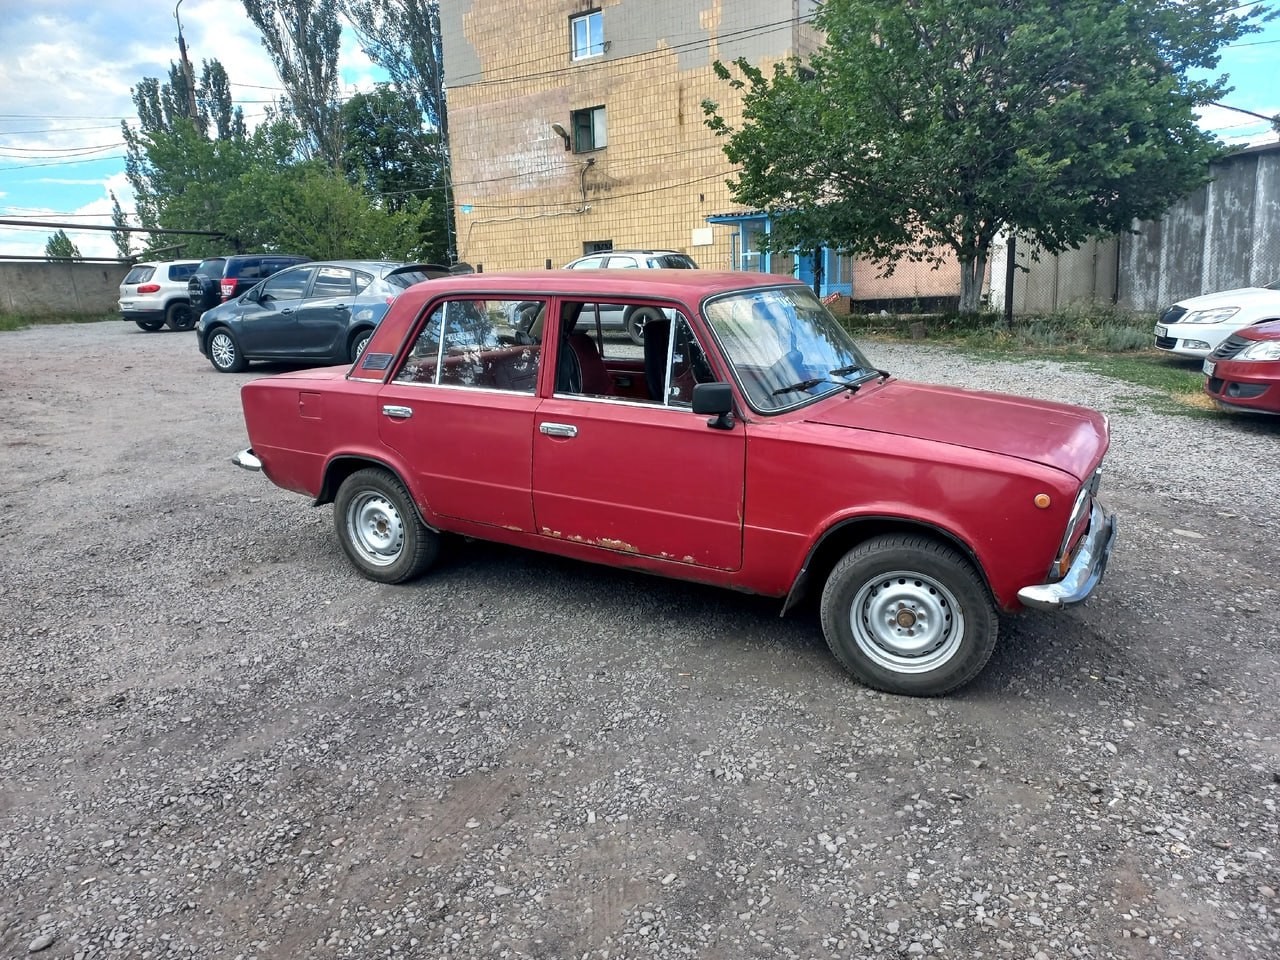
587, 35
589, 130
596, 246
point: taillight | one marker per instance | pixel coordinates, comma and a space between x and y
149, 288
228, 289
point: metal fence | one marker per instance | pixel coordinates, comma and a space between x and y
1224, 235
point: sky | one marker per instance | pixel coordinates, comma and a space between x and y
67, 66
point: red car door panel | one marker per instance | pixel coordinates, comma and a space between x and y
639, 478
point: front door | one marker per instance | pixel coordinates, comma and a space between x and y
647, 478
460, 413
269, 321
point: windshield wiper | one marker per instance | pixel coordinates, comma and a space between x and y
807, 384
845, 371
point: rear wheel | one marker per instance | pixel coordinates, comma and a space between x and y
150, 325
909, 615
224, 352
380, 530
358, 344
180, 316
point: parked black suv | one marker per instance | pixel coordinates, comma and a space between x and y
218, 279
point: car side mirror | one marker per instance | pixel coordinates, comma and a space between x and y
715, 399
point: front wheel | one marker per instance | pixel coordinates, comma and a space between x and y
224, 352
909, 615
637, 320
380, 530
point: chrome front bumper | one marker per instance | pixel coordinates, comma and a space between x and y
1086, 570
246, 460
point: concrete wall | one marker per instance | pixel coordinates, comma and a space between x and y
1225, 235
60, 289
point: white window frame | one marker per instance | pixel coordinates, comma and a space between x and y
585, 50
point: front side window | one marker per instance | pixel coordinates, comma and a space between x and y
784, 346
476, 343
331, 282
590, 130
286, 286
586, 34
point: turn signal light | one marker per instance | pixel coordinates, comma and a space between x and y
149, 288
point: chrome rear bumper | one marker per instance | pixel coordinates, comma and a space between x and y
1086, 570
246, 460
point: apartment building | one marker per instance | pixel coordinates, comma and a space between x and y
577, 125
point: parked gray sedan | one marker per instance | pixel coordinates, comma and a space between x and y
320, 313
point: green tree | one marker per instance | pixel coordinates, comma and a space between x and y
403, 37
302, 37
393, 157
119, 237
60, 245
929, 125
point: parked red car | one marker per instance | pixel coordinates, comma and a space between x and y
747, 443
1243, 373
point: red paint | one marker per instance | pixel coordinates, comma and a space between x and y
655, 488
1249, 375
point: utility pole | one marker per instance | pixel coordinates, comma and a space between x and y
186, 67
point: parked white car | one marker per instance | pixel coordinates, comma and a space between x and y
633, 319
155, 294
1194, 327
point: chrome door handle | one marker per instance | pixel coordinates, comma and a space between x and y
397, 413
558, 429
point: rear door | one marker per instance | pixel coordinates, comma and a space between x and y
325, 314
459, 410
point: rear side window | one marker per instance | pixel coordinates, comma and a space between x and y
672, 261
331, 282
181, 271
211, 268
139, 275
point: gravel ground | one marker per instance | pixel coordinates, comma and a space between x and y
219, 741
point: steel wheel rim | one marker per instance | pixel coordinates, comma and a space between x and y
906, 622
375, 528
223, 349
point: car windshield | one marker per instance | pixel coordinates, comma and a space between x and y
405, 279
210, 268
1273, 285
139, 274
785, 347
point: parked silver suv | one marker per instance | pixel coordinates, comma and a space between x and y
632, 319
153, 294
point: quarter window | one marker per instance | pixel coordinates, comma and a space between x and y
477, 343
590, 130
586, 34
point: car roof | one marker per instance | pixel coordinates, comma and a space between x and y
688, 285
162, 263
645, 251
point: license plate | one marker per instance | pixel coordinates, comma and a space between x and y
1208, 367
1161, 331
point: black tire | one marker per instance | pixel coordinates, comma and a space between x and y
925, 623
380, 530
358, 344
224, 351
151, 326
636, 320
180, 316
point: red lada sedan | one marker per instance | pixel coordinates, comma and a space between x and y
747, 442
1244, 372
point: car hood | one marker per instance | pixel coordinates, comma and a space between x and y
1262, 331
1238, 297
1068, 438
